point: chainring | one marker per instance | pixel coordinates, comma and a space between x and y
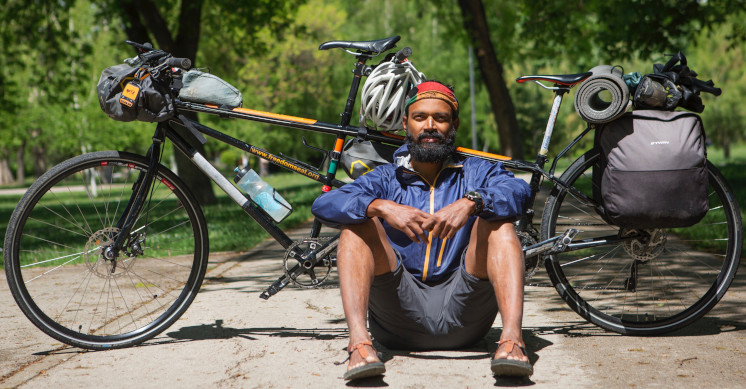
531, 263
305, 274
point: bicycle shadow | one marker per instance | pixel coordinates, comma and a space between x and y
480, 351
218, 331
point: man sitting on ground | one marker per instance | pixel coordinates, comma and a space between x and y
428, 249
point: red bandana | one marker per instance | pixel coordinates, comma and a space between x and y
434, 90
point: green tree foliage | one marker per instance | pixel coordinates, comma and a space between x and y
44, 62
717, 57
52, 53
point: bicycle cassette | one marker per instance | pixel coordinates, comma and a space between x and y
303, 271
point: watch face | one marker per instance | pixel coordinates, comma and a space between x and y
476, 198
473, 196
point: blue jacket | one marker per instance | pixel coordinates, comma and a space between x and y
504, 198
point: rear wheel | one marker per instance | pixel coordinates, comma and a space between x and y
654, 284
60, 230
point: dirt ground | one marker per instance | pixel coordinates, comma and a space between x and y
230, 338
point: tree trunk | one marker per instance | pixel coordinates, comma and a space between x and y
491, 69
6, 176
38, 154
184, 45
20, 173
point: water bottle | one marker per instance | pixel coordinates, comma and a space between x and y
262, 194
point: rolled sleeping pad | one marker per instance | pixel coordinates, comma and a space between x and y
594, 109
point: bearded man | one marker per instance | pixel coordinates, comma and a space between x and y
427, 250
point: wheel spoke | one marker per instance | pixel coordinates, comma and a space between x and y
660, 280
57, 261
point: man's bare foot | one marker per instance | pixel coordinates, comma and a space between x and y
364, 362
509, 349
510, 359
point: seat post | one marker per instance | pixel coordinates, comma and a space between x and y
559, 92
357, 75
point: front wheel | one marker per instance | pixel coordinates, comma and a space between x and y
658, 283
58, 234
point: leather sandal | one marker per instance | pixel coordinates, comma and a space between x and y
510, 367
370, 369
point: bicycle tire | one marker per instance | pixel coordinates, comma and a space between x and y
54, 241
634, 289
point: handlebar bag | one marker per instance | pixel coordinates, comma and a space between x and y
206, 88
360, 157
652, 172
127, 93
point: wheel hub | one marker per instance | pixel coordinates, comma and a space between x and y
100, 258
648, 246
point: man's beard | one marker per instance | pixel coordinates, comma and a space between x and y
432, 152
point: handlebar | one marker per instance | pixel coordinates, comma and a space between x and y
152, 57
184, 63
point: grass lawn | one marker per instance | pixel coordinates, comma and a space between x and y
231, 229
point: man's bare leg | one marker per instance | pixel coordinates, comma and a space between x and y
363, 252
495, 254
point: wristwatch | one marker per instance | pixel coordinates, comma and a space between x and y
477, 199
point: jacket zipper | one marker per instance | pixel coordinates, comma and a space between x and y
426, 264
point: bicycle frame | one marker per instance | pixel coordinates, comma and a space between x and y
562, 242
112, 267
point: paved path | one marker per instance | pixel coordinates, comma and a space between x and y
230, 338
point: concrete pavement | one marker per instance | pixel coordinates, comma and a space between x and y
230, 338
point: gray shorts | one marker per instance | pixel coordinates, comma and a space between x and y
408, 314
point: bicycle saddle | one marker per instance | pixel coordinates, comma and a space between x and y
377, 46
564, 79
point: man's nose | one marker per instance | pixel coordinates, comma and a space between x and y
430, 124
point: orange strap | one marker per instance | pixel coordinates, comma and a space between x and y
511, 344
360, 347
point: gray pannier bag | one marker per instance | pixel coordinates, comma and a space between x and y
206, 88
360, 157
652, 172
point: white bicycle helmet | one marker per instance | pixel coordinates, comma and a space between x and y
385, 92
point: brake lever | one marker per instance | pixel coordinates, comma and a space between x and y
140, 47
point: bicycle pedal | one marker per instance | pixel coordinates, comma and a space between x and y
565, 239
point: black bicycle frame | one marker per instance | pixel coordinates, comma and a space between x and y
328, 179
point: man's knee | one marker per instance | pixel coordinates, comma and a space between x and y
491, 240
366, 231
367, 241
495, 232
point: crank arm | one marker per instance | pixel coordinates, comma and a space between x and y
280, 283
553, 245
309, 260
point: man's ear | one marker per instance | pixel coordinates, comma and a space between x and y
456, 123
404, 122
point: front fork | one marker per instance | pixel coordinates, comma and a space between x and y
131, 213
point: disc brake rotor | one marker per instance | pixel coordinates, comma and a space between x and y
93, 254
